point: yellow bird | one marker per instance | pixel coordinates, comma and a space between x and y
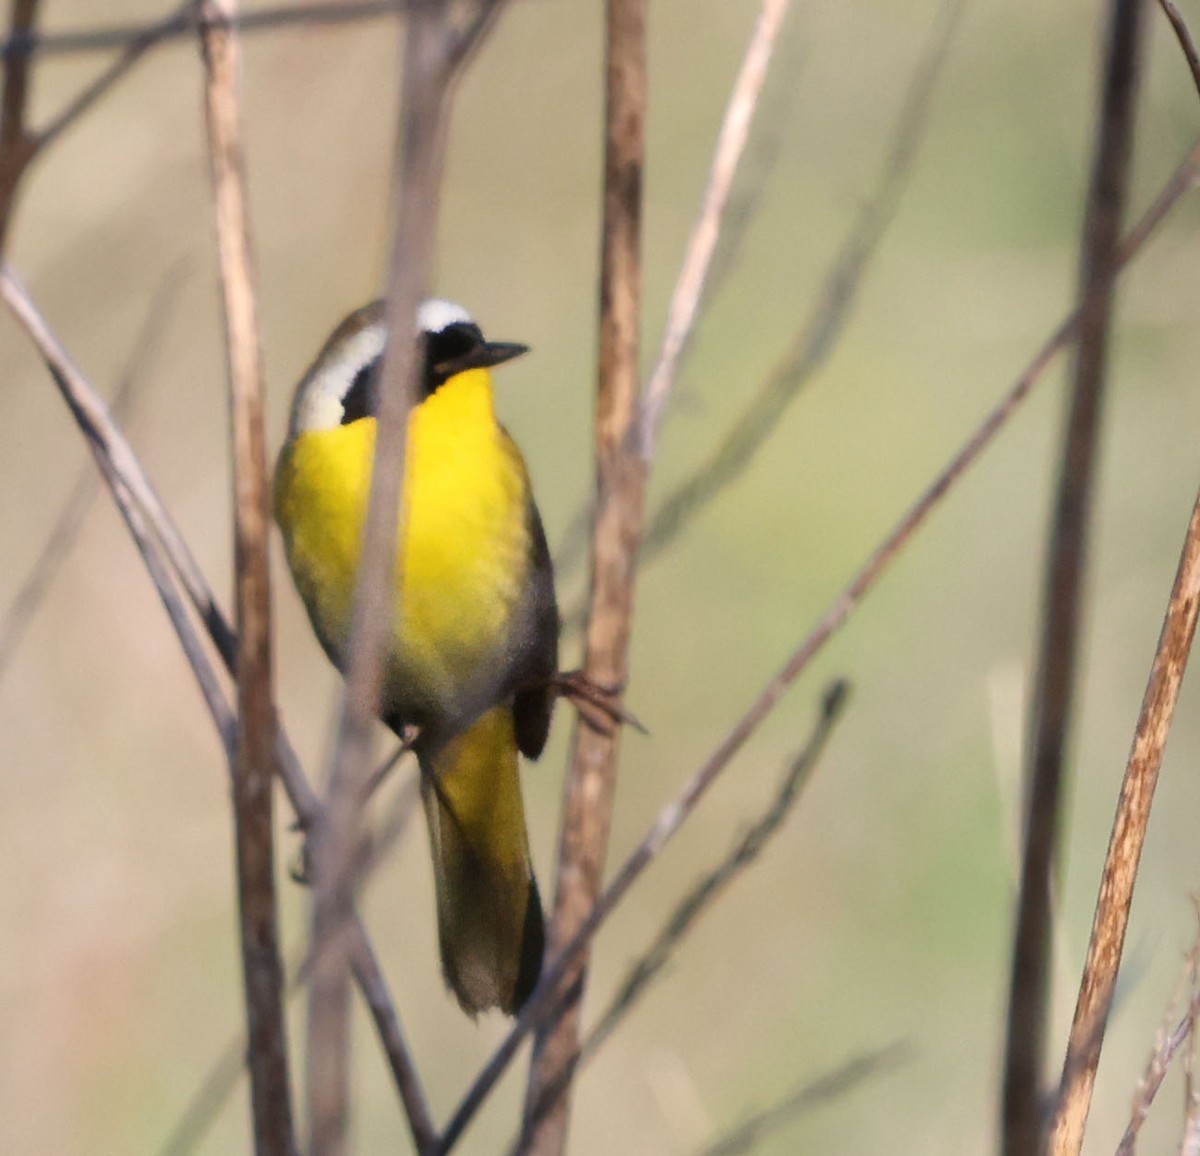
473, 651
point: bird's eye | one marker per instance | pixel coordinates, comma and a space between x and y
447, 346
359, 401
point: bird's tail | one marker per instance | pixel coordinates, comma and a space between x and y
490, 925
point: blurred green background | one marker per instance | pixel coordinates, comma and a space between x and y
882, 912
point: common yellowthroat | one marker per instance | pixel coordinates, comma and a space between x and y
473, 646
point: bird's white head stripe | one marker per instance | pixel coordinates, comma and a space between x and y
319, 397
436, 314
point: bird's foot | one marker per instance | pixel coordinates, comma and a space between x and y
600, 706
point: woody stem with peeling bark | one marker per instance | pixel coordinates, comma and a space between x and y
1125, 848
254, 755
620, 499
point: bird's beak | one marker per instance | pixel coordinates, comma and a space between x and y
482, 357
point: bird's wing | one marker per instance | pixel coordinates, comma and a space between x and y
537, 664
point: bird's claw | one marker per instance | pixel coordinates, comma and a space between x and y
599, 705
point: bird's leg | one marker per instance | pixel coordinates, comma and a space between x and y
600, 706
409, 733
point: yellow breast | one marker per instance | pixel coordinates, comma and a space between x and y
464, 549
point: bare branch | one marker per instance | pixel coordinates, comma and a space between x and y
841, 608
1063, 595
126, 474
701, 897
63, 535
704, 893
621, 475
254, 761
689, 288
552, 994
1167, 1044
91, 414
135, 48
17, 145
213, 1094
435, 49
1171, 10
816, 340
24, 44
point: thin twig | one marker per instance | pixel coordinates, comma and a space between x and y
1124, 851
813, 1094
621, 475
85, 410
1063, 595
1166, 1045
689, 287
1190, 1145
817, 338
744, 199
335, 843
438, 42
702, 895
174, 27
212, 1095
1182, 179
59, 542
254, 761
20, 145
1191, 1097
126, 474
134, 49
17, 144
1171, 10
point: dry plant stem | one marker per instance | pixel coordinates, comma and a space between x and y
1167, 1045
17, 143
254, 757
124, 473
59, 542
1186, 43
92, 417
689, 288
673, 815
817, 338
1191, 1099
712, 884
107, 37
552, 994
620, 499
1063, 597
214, 1092
1124, 851
437, 46
134, 49
134, 518
702, 895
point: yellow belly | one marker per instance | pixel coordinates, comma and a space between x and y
463, 557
